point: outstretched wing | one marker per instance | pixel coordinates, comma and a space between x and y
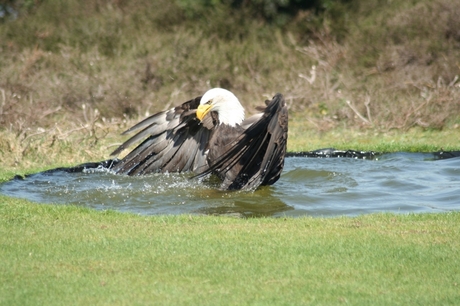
256, 156
173, 141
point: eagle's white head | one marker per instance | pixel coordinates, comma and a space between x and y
225, 103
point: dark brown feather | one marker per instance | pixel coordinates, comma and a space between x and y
175, 143
243, 157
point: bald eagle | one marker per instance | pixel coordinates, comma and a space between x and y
209, 135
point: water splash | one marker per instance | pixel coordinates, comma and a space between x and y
398, 182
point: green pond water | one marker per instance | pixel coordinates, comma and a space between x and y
396, 182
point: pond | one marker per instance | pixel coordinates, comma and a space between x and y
396, 182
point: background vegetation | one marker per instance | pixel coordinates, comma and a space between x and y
90, 68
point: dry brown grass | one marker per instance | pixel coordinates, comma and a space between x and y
63, 144
82, 69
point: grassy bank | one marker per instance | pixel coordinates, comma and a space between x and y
69, 255
49, 148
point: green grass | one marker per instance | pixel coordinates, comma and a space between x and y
302, 138
69, 255
55, 254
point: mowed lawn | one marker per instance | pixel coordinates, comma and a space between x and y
68, 255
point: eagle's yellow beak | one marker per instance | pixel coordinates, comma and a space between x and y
202, 110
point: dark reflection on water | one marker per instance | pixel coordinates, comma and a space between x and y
399, 182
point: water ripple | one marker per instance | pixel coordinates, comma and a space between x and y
399, 182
